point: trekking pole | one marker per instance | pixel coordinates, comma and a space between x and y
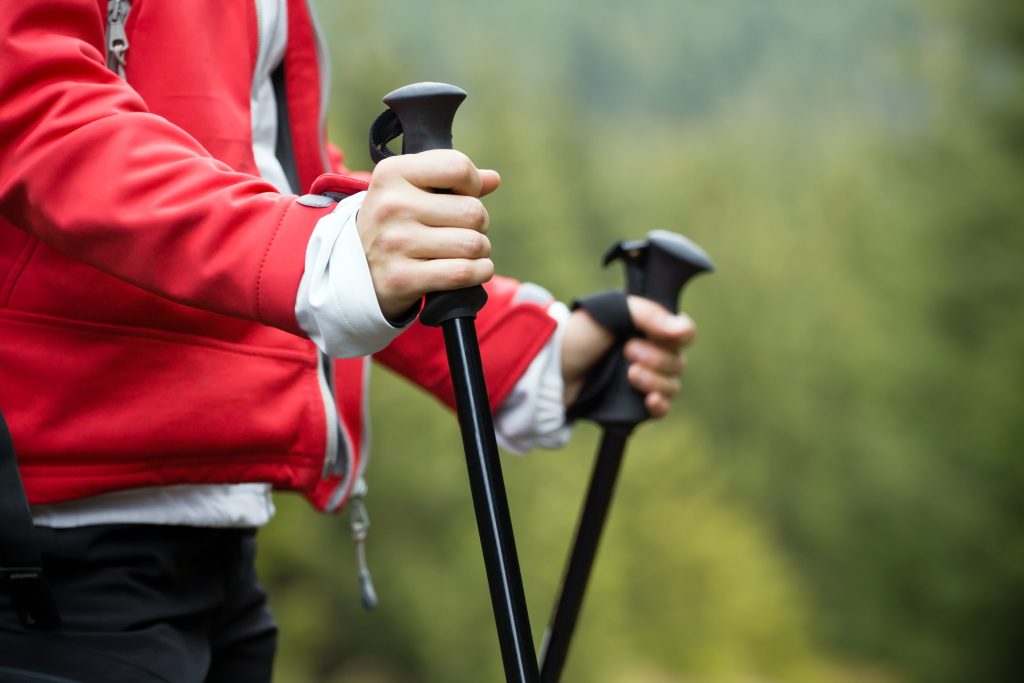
423, 113
656, 268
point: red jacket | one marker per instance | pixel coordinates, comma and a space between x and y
148, 276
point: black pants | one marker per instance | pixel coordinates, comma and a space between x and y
145, 603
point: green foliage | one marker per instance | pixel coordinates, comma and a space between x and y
838, 494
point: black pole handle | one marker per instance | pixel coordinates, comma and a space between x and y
425, 114
657, 268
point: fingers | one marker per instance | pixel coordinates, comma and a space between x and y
658, 390
439, 169
659, 325
417, 241
439, 275
666, 361
444, 243
406, 280
433, 210
656, 362
657, 405
649, 381
489, 181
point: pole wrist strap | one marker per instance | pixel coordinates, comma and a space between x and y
611, 311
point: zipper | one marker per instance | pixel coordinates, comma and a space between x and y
359, 519
117, 35
340, 451
351, 479
333, 462
353, 489
338, 462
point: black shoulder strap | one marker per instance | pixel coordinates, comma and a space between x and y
21, 567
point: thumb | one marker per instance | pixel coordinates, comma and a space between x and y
658, 324
489, 181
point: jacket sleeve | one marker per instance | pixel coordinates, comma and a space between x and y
511, 330
87, 169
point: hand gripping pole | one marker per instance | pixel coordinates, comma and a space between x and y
424, 113
656, 268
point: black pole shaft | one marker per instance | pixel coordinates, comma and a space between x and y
581, 560
489, 502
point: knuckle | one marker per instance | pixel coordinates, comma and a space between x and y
475, 245
387, 168
466, 273
463, 173
391, 241
462, 164
475, 214
462, 273
388, 206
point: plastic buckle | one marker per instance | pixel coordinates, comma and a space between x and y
31, 597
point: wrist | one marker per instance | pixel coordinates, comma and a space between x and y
583, 343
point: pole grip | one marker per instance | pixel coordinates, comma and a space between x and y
657, 268
426, 112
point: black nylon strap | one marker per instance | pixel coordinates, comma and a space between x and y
21, 567
384, 129
611, 311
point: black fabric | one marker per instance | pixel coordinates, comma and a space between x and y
21, 568
21, 676
284, 148
611, 311
147, 603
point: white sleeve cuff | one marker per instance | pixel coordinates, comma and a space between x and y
336, 304
533, 414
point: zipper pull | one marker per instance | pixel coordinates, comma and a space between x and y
360, 522
117, 36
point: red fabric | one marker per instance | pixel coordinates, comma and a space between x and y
331, 182
148, 276
106, 173
337, 162
302, 75
510, 335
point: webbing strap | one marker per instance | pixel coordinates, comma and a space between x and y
21, 567
610, 310
383, 130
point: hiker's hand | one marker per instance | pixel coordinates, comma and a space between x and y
656, 362
417, 241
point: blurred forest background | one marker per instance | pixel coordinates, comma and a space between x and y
839, 496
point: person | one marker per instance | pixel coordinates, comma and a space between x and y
192, 286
